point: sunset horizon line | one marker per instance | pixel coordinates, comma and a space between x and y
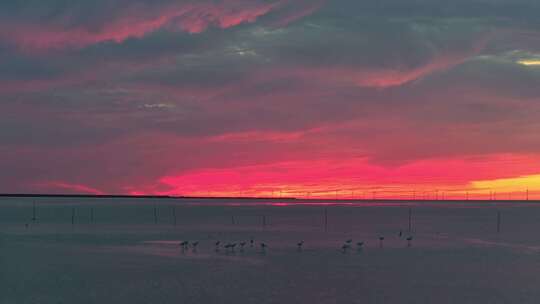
296, 198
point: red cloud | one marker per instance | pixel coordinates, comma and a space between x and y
300, 9
136, 22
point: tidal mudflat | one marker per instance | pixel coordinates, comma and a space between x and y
129, 251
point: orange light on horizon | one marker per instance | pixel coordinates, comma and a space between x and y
519, 188
524, 186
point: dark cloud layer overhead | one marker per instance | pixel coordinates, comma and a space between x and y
178, 96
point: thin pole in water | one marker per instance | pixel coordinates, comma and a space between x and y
34, 218
263, 221
155, 215
410, 220
73, 216
326, 219
498, 221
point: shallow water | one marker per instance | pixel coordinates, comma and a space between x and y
118, 251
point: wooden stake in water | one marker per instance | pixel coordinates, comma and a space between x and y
73, 216
410, 219
232, 220
34, 218
326, 219
155, 215
498, 222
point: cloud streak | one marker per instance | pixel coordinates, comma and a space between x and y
139, 19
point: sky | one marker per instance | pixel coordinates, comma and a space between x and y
303, 98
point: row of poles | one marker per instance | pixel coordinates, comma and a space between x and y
410, 220
233, 218
394, 194
326, 220
73, 214
406, 195
155, 215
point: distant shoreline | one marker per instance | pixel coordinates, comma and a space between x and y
169, 197
15, 195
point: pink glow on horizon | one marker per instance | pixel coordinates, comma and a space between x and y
73, 188
347, 179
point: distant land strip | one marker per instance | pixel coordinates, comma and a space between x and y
26, 195
170, 197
